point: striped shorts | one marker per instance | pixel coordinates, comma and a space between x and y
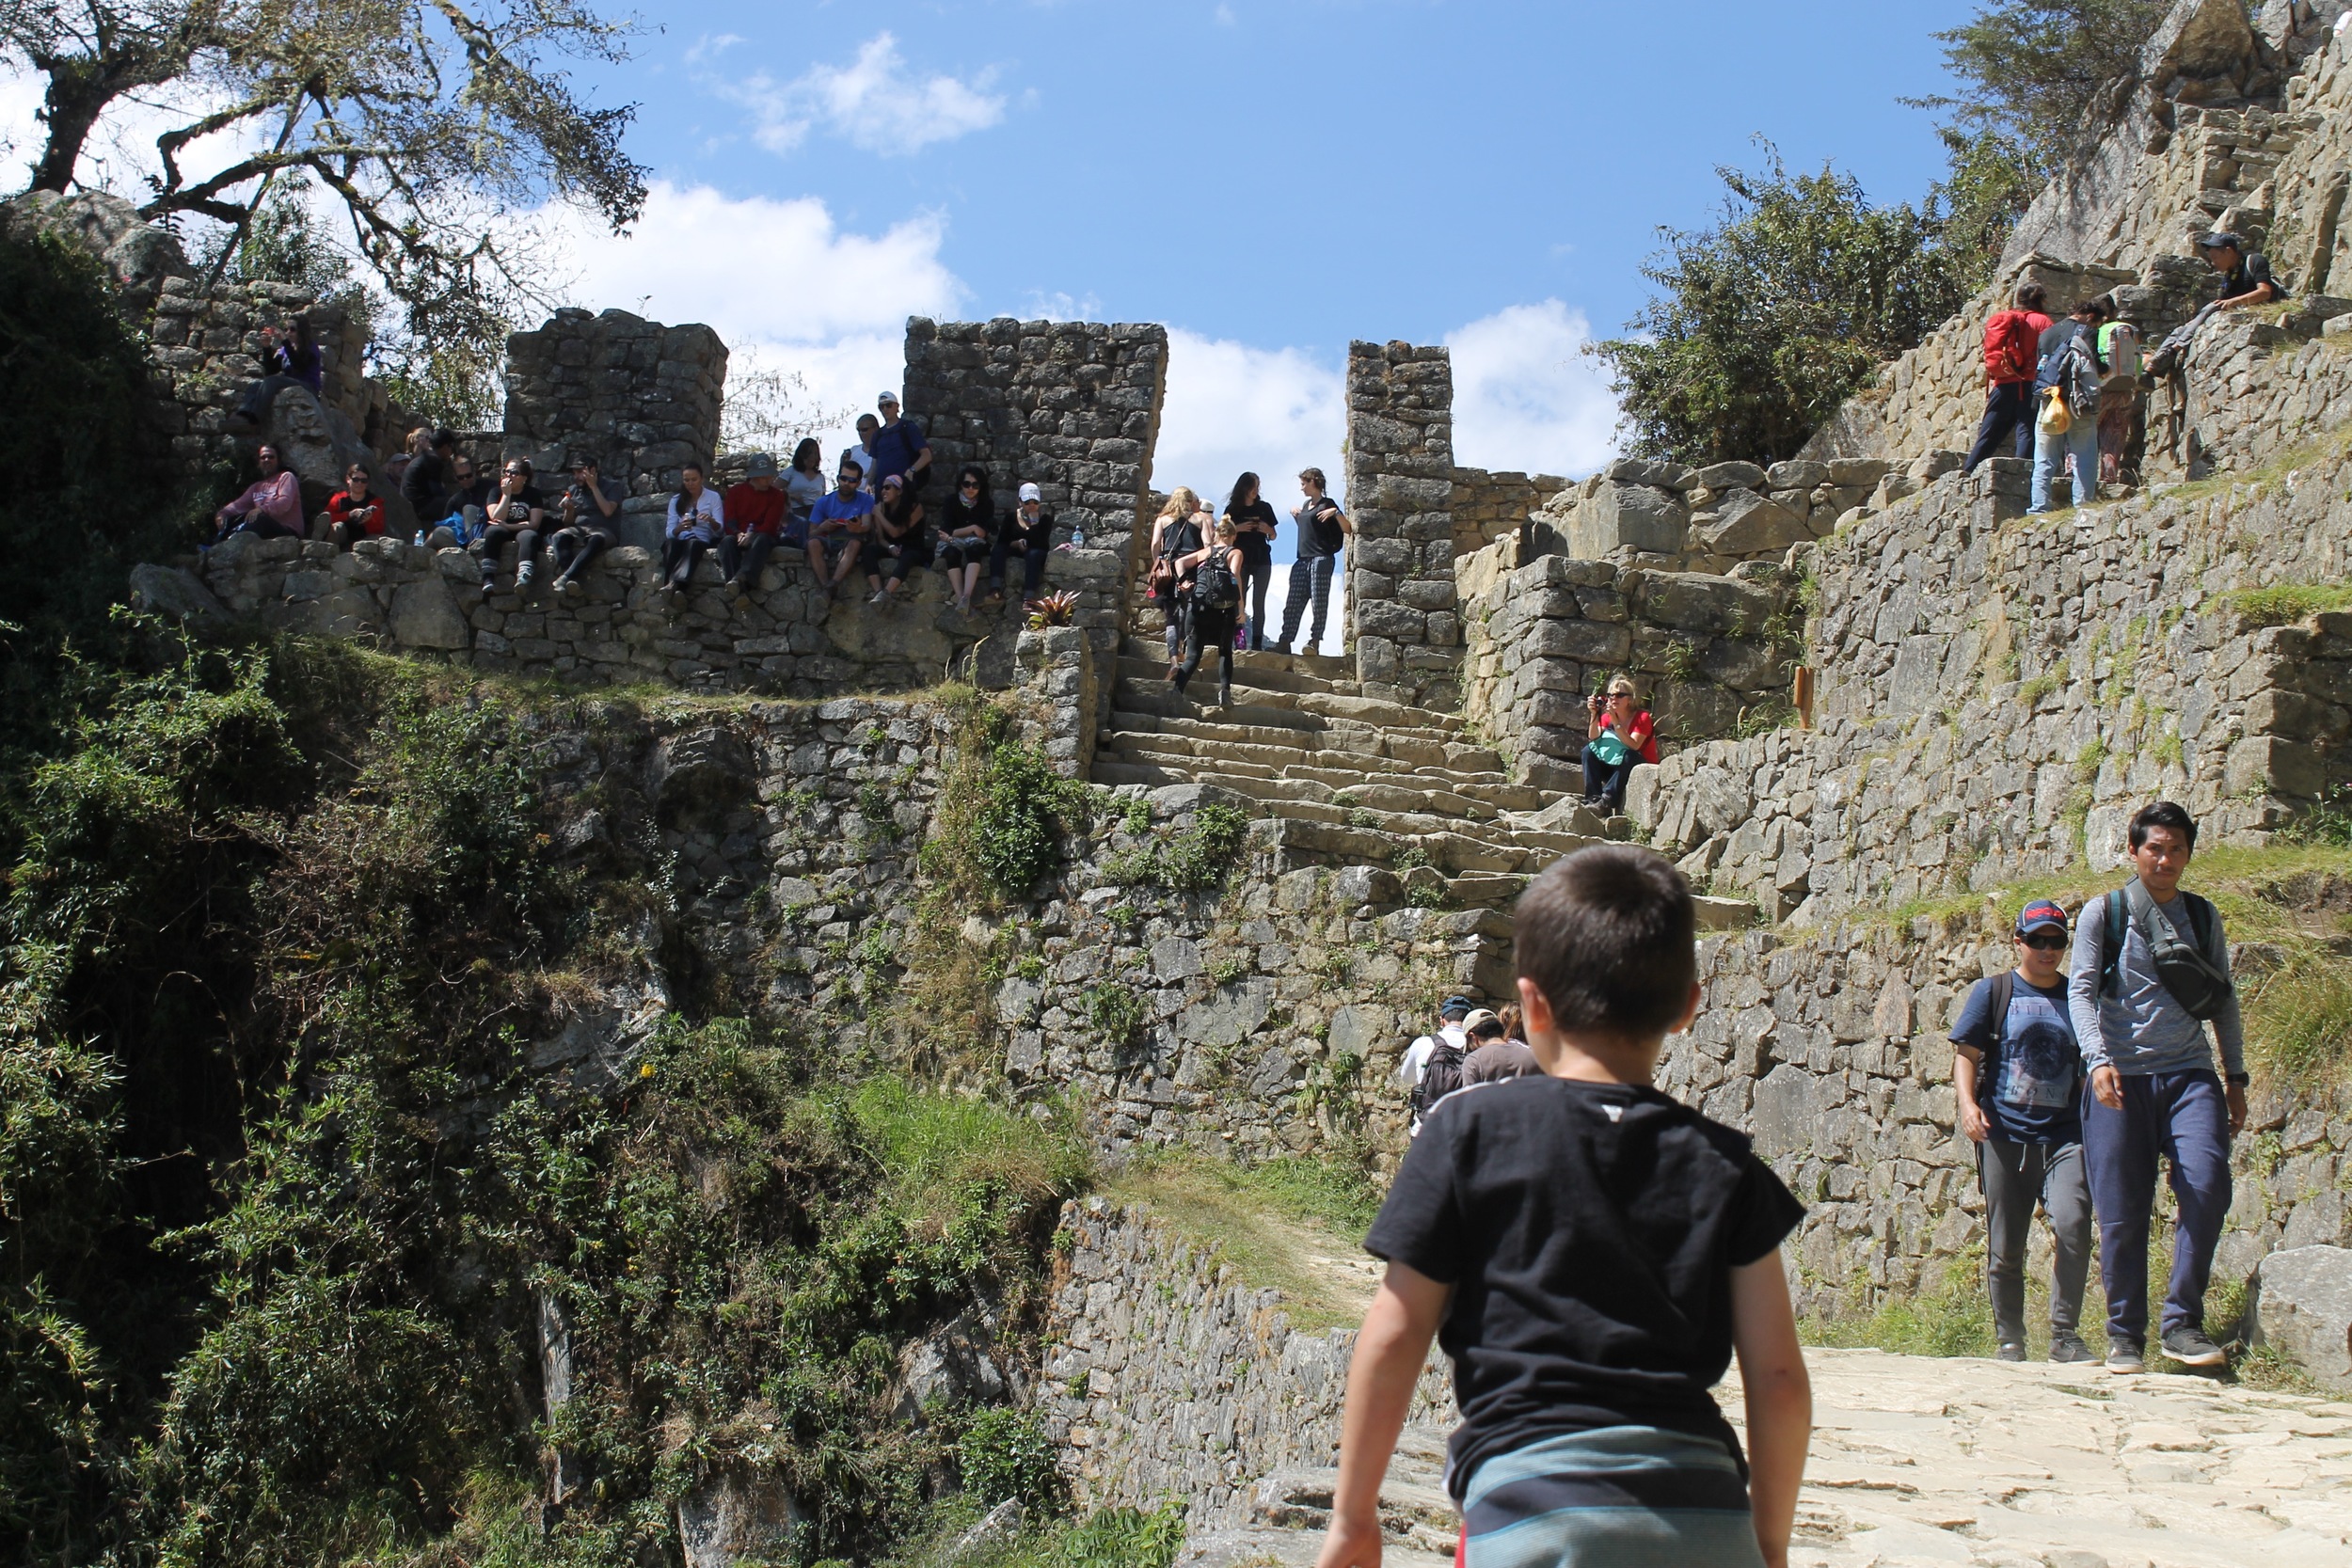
1625, 1496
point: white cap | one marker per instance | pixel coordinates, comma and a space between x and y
888, 397
1031, 493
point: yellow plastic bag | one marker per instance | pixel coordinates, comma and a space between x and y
2055, 420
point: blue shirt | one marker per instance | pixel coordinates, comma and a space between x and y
833, 508
2030, 1085
895, 448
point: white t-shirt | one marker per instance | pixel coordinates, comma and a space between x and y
1416, 1058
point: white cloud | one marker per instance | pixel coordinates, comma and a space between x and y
779, 281
1526, 397
875, 103
1231, 407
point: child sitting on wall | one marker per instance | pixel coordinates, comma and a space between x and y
1591, 1253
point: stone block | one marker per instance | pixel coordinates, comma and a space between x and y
2300, 1304
1697, 602
1720, 477
1748, 524
1627, 516
2268, 763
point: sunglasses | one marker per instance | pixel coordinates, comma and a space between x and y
2044, 943
969, 485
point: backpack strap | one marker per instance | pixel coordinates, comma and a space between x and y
2111, 950
2201, 921
2004, 986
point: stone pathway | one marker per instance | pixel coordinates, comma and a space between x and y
1921, 1461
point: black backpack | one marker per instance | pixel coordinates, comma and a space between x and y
2200, 988
1439, 1076
1213, 585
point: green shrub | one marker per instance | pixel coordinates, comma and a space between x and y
1004, 1455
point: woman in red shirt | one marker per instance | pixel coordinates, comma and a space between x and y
1622, 734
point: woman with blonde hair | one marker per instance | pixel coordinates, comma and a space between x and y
1619, 733
1175, 535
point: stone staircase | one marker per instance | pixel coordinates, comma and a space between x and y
1291, 1509
1349, 779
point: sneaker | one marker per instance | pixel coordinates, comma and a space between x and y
2009, 1353
2123, 1356
2191, 1348
877, 597
1282, 648
2066, 1348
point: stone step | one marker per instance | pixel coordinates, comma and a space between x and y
1142, 658
1136, 677
1486, 890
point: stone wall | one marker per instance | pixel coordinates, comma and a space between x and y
1831, 1048
1998, 694
1163, 1376
1402, 614
640, 398
1708, 652
1670, 518
1491, 506
2258, 384
788, 638
1073, 408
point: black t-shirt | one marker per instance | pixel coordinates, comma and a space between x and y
1256, 549
1020, 537
1318, 528
2252, 272
1589, 1231
514, 511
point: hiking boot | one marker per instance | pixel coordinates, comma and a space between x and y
2123, 1356
2191, 1348
2009, 1353
1282, 648
2068, 1347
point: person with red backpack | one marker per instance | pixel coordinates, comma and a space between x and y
2013, 354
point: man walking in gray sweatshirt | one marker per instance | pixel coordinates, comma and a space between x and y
2151, 968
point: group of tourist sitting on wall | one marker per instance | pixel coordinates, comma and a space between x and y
868, 516
1206, 566
2068, 393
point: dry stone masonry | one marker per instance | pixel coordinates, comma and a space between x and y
1402, 613
640, 398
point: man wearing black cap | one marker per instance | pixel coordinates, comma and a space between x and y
2245, 275
2017, 1078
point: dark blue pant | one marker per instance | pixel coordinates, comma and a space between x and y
2009, 415
1308, 577
2181, 1117
1606, 780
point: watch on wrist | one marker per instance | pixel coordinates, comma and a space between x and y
2237, 1080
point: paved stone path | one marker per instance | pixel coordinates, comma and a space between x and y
1921, 1461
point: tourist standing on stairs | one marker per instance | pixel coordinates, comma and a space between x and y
1176, 536
1254, 524
1449, 1036
1214, 606
2071, 370
2017, 1077
2012, 355
2152, 969
1323, 531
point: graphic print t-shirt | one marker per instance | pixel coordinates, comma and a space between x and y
2030, 1085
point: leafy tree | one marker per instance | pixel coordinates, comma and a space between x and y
2032, 75
422, 118
1766, 322
2032, 70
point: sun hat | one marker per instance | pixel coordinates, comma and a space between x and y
1031, 493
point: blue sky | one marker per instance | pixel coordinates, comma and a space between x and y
1269, 178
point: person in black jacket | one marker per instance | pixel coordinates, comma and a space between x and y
967, 521
1027, 528
424, 484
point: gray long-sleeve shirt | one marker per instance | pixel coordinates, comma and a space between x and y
2141, 1029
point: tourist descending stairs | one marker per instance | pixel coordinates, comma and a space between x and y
1349, 780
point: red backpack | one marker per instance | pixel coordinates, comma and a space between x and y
2013, 346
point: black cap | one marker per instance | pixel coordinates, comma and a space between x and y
2219, 238
1453, 1006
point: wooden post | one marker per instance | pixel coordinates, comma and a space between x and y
1804, 696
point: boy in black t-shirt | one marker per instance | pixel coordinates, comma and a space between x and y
1590, 1253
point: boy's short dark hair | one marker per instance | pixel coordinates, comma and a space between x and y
1610, 936
2163, 813
2030, 296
